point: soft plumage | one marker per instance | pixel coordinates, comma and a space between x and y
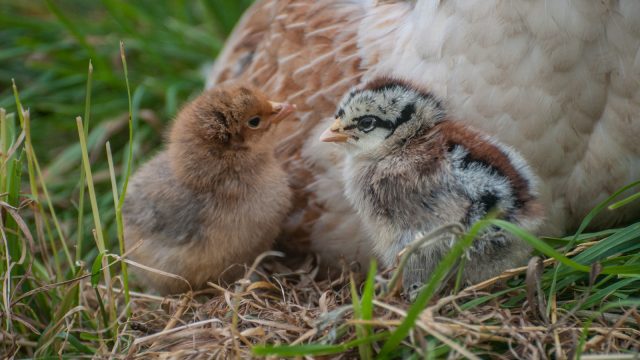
215, 198
411, 169
557, 80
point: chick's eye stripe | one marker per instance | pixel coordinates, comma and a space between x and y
377, 122
405, 115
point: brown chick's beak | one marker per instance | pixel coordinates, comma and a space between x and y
334, 133
281, 111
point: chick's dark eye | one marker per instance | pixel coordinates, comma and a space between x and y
366, 124
254, 122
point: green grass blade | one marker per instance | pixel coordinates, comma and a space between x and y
120, 227
602, 294
314, 349
87, 118
68, 302
96, 270
368, 291
600, 207
33, 184
112, 176
125, 185
426, 294
613, 244
587, 220
92, 193
4, 147
76, 343
363, 350
26, 123
624, 202
9, 187
583, 340
127, 173
540, 245
99, 235
549, 251
52, 211
366, 309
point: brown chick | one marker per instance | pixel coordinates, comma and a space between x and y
215, 197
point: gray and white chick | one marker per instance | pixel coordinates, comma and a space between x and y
410, 169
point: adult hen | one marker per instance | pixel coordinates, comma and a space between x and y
557, 80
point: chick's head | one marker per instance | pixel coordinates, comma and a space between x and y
229, 118
382, 112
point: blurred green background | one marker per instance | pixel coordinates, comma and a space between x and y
46, 47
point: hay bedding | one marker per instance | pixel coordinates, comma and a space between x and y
280, 305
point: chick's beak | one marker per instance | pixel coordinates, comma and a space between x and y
334, 133
280, 111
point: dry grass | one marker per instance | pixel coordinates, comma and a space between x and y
290, 307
